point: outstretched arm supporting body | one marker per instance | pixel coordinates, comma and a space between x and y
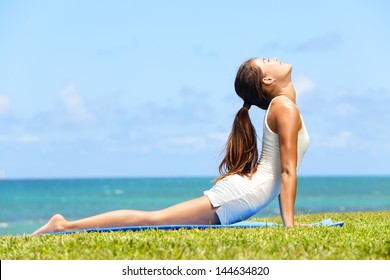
287, 122
287, 198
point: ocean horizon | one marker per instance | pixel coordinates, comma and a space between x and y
26, 204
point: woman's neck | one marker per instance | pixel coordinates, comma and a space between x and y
288, 91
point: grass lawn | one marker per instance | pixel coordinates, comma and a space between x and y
364, 236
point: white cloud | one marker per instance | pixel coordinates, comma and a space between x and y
198, 143
340, 140
25, 138
346, 109
2, 176
28, 138
320, 43
194, 143
5, 103
220, 137
75, 105
303, 84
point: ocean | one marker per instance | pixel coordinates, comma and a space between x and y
27, 204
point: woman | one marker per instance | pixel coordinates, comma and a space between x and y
246, 184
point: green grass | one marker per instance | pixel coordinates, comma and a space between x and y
364, 236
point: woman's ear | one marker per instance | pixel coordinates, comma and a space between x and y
268, 81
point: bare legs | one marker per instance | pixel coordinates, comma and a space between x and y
196, 211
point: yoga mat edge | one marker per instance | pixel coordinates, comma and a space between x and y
326, 222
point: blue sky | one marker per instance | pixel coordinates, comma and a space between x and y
145, 88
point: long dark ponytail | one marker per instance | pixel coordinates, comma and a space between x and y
241, 148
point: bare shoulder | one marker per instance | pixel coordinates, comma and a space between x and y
285, 105
284, 114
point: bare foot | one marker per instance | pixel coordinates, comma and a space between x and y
55, 224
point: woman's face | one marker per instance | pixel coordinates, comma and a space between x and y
274, 68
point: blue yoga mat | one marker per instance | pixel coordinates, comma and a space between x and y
326, 222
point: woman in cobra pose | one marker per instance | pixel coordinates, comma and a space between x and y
246, 183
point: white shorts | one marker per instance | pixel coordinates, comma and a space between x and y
240, 197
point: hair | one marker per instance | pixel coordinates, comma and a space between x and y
241, 148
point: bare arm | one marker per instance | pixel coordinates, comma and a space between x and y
287, 123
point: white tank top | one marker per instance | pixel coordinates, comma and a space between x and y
265, 182
270, 155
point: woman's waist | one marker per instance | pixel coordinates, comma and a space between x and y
268, 165
261, 182
260, 193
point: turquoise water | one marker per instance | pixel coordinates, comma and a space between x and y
27, 204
